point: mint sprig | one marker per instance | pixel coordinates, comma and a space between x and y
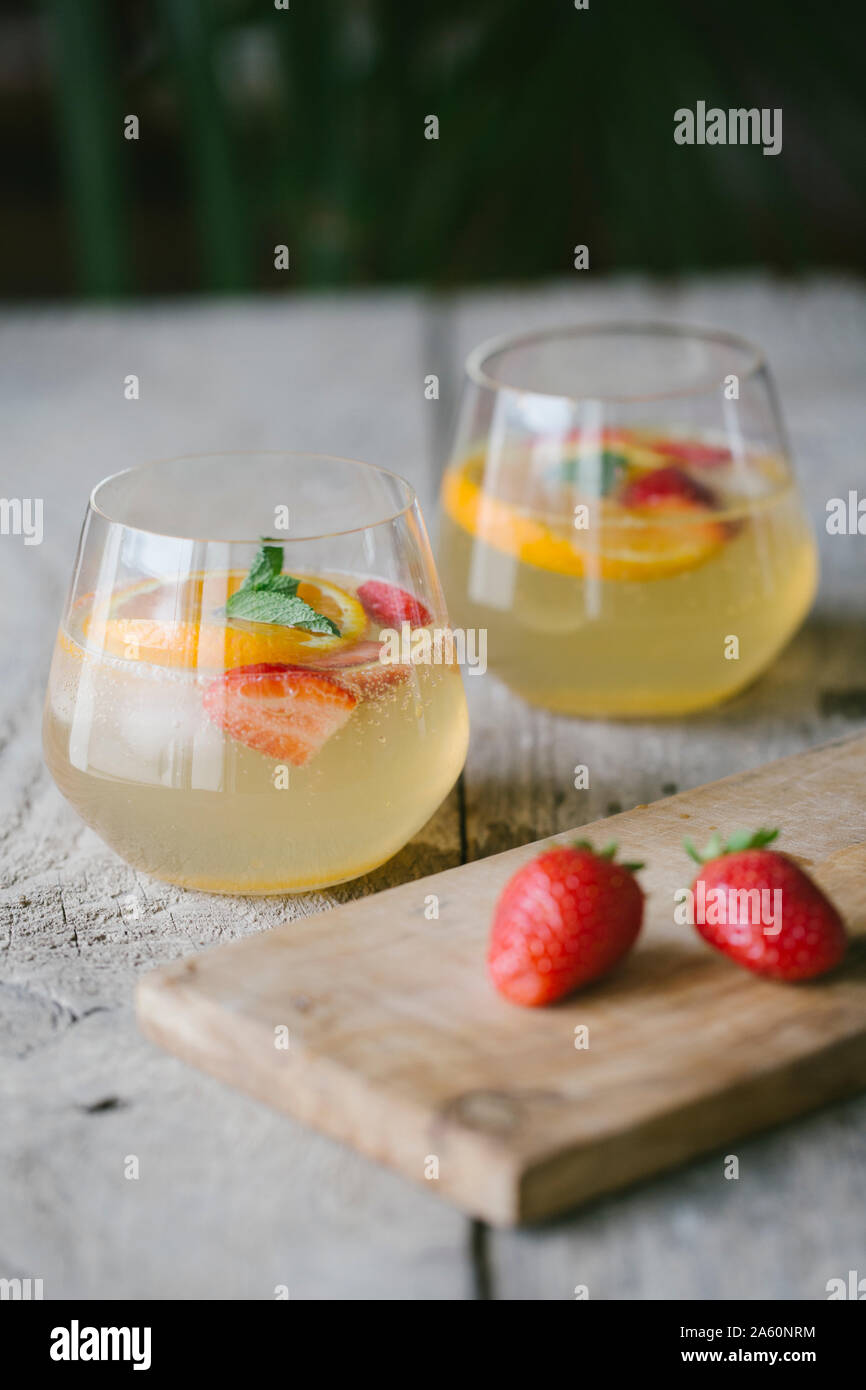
266, 567
597, 474
270, 606
269, 596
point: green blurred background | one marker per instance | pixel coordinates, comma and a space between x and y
261, 126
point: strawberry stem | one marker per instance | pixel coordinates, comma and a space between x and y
608, 853
739, 840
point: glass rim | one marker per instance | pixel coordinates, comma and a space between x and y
476, 360
409, 492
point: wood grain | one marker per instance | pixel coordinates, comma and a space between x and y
400, 1048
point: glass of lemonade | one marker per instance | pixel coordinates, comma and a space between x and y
619, 513
228, 707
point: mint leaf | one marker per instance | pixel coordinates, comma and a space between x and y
265, 567
269, 596
284, 584
272, 606
597, 474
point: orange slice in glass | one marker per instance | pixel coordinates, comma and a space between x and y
185, 628
616, 545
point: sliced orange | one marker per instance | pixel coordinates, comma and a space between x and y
139, 628
618, 545
652, 550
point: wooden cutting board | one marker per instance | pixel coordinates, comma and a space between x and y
399, 1046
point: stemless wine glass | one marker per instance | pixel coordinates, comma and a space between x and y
619, 513
230, 706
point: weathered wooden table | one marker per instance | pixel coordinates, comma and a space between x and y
232, 1200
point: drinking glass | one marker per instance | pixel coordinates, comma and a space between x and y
228, 705
620, 515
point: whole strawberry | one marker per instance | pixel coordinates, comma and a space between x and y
763, 911
562, 920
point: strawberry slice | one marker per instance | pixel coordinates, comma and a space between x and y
667, 487
363, 671
390, 606
288, 712
376, 680
361, 654
691, 452
608, 435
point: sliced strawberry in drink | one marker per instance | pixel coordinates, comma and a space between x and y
362, 670
373, 681
667, 487
390, 606
585, 435
361, 654
288, 712
690, 451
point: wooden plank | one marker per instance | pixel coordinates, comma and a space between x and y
400, 1047
231, 1200
778, 1227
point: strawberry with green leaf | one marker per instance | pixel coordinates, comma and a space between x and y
768, 914
564, 919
